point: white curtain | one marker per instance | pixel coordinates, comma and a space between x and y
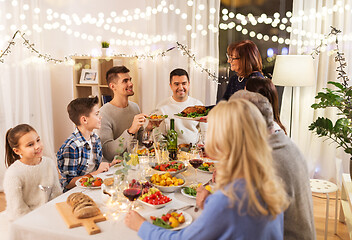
37, 92
199, 38
312, 20
25, 91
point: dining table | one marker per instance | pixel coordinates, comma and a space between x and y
46, 222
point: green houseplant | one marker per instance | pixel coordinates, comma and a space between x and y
105, 45
339, 97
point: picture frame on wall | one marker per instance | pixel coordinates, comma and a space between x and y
89, 76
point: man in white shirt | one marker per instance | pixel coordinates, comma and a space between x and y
186, 129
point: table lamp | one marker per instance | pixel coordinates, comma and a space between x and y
294, 71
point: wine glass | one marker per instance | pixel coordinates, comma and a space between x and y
147, 140
133, 191
196, 163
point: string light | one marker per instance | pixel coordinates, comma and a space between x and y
29, 46
47, 57
107, 21
186, 51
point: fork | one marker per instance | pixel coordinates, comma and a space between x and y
182, 208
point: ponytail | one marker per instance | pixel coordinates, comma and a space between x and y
12, 137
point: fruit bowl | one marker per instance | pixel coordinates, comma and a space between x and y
166, 188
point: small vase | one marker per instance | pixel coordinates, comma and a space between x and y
104, 51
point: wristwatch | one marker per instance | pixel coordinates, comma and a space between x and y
132, 134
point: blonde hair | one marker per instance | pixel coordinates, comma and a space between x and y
237, 137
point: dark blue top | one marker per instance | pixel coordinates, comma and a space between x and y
219, 221
234, 85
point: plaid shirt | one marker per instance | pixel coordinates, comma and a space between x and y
73, 155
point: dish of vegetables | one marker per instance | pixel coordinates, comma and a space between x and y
207, 167
173, 221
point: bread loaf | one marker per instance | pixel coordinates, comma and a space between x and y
82, 205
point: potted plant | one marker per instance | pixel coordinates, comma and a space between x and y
104, 47
338, 97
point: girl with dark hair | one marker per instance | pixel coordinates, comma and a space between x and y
266, 87
31, 179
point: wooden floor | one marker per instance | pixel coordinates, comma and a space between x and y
319, 202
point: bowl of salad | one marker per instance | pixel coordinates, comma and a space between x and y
173, 167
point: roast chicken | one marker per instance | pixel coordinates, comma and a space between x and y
194, 109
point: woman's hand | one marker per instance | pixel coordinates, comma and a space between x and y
202, 194
203, 119
134, 220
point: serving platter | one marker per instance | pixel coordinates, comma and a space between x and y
189, 118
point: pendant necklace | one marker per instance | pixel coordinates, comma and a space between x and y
240, 79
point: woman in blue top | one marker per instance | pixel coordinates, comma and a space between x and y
245, 60
250, 198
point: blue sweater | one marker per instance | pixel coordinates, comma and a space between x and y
218, 221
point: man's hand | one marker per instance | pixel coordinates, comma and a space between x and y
153, 124
103, 167
202, 194
115, 161
133, 220
137, 123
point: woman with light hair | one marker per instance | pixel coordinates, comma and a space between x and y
250, 199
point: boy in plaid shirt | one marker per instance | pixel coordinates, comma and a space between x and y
81, 153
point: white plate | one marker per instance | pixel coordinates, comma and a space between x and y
78, 184
188, 219
187, 195
204, 171
189, 118
200, 170
156, 120
154, 206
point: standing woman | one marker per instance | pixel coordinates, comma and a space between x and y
245, 60
250, 198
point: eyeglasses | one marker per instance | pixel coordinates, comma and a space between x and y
231, 58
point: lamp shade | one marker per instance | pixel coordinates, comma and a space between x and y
294, 71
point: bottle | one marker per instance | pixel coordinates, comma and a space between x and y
172, 141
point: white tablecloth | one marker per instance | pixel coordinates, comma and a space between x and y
46, 223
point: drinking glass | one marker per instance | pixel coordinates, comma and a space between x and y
201, 143
196, 163
133, 146
147, 140
163, 150
132, 192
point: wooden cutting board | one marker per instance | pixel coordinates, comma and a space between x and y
71, 221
